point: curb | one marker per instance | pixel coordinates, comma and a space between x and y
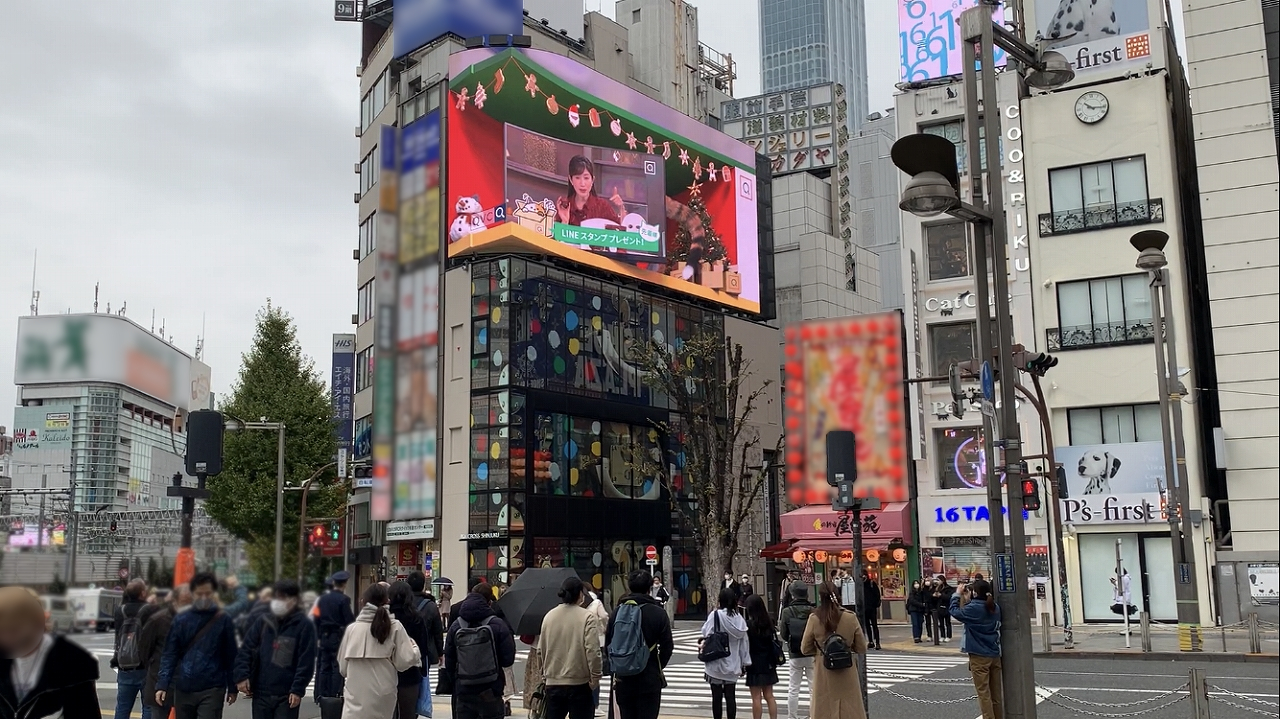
1209, 657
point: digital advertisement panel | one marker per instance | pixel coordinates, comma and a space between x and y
419, 22
929, 38
846, 374
549, 153
1098, 37
44, 427
1114, 483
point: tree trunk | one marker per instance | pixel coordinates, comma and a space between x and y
715, 559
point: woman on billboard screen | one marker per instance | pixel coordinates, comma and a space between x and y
581, 203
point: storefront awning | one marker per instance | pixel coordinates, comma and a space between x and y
819, 527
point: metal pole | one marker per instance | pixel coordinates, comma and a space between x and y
1183, 592
44, 484
71, 529
1123, 600
1144, 630
1019, 679
981, 233
1059, 546
1198, 690
1189, 605
279, 564
858, 596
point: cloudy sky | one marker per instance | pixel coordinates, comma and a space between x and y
194, 160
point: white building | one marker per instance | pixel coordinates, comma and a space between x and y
1233, 69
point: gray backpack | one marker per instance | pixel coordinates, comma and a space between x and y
477, 652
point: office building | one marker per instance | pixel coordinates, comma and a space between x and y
811, 42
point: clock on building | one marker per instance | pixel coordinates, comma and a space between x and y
1091, 107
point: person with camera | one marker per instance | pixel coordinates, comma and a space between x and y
974, 606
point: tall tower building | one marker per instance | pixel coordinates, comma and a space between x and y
809, 42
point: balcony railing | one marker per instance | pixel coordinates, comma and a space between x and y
1104, 335
1095, 218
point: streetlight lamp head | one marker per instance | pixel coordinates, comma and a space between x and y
928, 194
1152, 260
1150, 246
232, 425
1055, 71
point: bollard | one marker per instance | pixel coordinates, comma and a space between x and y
1046, 632
1144, 624
1224, 639
1255, 635
1198, 691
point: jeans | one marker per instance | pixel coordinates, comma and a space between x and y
207, 704
917, 625
988, 681
570, 701
485, 705
129, 686
640, 705
800, 668
726, 694
265, 707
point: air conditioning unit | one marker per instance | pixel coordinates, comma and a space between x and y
355, 319
355, 254
358, 131
356, 168
359, 70
357, 198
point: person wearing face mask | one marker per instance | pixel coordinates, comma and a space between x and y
276, 661
199, 655
155, 632
41, 675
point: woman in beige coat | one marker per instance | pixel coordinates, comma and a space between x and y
835, 694
374, 650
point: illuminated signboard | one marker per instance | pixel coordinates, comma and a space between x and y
929, 38
548, 154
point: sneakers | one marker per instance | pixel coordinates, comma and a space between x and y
506, 709
918, 640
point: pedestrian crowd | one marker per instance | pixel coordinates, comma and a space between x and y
190, 655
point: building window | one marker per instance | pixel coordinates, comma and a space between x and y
1114, 425
366, 302
947, 251
961, 463
954, 131
1102, 312
1102, 194
368, 236
635, 16
369, 171
952, 343
364, 368
375, 100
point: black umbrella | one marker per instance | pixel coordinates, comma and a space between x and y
531, 596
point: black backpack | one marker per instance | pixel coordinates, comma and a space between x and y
129, 649
795, 627
477, 652
835, 653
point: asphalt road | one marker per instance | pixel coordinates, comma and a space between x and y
905, 685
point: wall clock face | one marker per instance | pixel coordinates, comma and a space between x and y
1091, 107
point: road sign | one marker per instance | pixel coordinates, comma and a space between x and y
988, 380
1184, 573
1004, 573
988, 408
651, 553
651, 562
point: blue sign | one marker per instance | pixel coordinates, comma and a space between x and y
980, 513
419, 22
342, 388
1184, 573
1004, 573
988, 379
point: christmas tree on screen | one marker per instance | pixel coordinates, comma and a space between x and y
694, 229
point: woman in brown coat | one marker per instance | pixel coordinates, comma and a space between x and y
836, 694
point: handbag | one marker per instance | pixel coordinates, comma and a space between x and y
715, 646
424, 696
444, 681
330, 707
779, 655
538, 702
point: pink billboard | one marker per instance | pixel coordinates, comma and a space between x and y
929, 38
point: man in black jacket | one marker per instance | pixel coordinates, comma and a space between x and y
130, 679
278, 657
479, 701
156, 622
425, 605
640, 696
871, 611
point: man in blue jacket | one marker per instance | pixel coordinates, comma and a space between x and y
975, 607
199, 655
284, 645
333, 615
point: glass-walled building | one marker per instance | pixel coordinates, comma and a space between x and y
573, 460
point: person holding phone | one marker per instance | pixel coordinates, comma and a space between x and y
974, 606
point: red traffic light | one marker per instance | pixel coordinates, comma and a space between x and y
1031, 495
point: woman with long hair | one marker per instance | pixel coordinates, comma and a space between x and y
375, 648
975, 607
404, 607
835, 693
723, 674
918, 607
580, 202
762, 637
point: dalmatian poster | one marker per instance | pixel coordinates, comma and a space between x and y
1114, 483
1098, 35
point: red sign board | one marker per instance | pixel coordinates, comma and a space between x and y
650, 552
407, 554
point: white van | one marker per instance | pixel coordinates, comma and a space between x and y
95, 609
59, 617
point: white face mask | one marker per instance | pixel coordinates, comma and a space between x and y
280, 607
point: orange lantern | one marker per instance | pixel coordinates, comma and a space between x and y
899, 555
873, 556
820, 556
798, 556
846, 557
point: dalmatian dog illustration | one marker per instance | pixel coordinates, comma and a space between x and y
1098, 468
1083, 21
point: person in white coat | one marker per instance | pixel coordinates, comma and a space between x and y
375, 648
723, 674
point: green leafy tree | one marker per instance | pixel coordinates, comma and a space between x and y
708, 384
57, 586
277, 383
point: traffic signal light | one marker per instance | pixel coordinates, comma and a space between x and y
1031, 495
842, 457
335, 530
317, 534
113, 525
1061, 475
1038, 363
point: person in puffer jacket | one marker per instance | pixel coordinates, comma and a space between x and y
284, 643
199, 655
975, 607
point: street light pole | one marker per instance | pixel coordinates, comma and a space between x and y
279, 565
302, 520
1151, 259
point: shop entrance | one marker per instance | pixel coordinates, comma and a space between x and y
1149, 560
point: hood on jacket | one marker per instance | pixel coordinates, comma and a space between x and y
474, 609
641, 599
368, 612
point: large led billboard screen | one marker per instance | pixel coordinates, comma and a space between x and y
846, 374
929, 45
548, 154
1102, 38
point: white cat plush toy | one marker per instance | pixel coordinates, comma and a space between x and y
470, 218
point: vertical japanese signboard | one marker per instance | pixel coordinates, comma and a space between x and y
342, 389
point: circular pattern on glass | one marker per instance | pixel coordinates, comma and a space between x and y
571, 320
553, 339
531, 353
497, 358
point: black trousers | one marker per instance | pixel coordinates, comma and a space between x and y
329, 681
205, 704
726, 694
637, 705
871, 623
574, 702
943, 624
265, 707
485, 705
